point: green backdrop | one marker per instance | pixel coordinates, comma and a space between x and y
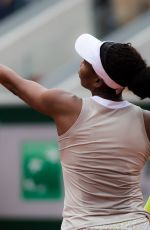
21, 115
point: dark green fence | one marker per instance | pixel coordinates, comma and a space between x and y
30, 224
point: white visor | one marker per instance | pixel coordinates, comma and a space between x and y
88, 47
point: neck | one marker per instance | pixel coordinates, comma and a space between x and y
108, 94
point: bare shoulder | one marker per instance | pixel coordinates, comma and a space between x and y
60, 101
146, 115
63, 106
56, 94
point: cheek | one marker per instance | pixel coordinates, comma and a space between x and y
83, 73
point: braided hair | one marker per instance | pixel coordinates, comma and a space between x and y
124, 65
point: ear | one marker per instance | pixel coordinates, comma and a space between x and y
98, 82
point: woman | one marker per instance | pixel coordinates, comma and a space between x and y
104, 140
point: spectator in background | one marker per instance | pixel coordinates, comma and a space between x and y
8, 7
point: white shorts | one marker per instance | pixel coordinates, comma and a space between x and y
144, 224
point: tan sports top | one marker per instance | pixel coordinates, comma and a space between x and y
102, 155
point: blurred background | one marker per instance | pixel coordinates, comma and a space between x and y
37, 40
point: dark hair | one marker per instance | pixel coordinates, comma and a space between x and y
126, 67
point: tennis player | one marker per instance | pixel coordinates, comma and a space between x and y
104, 140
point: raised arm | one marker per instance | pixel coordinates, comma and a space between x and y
51, 102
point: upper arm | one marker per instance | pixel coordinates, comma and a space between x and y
59, 102
52, 102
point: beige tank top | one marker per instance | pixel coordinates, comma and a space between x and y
102, 155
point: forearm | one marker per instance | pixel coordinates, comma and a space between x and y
9, 79
27, 90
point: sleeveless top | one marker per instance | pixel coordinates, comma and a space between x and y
102, 156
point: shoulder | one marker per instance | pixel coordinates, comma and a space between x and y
60, 101
63, 107
146, 116
59, 96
